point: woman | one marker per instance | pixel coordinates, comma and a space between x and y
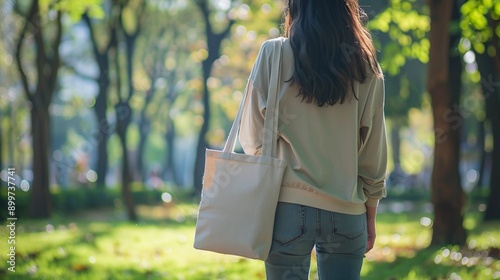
331, 133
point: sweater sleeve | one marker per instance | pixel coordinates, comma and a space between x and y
372, 157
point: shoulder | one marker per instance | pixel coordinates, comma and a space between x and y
374, 80
272, 42
374, 75
268, 46
264, 59
261, 70
371, 92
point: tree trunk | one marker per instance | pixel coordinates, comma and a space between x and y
123, 118
102, 138
18, 155
493, 207
490, 81
1, 146
144, 127
100, 108
40, 95
123, 109
396, 144
40, 200
170, 172
10, 146
214, 41
10, 142
397, 176
103, 132
443, 83
481, 137
202, 143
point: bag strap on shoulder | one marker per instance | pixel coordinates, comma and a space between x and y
270, 132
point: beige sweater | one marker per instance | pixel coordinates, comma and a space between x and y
332, 165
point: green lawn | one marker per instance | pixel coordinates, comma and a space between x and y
101, 244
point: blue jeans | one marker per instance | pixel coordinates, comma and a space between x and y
340, 241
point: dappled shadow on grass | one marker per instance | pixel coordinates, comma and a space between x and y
382, 267
83, 245
103, 244
402, 250
451, 262
87, 272
171, 216
122, 250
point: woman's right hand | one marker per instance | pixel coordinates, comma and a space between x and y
371, 213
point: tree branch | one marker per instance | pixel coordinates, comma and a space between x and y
226, 31
40, 48
113, 40
129, 43
93, 40
118, 76
74, 71
19, 47
206, 16
140, 19
56, 60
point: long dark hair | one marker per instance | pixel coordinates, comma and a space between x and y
331, 46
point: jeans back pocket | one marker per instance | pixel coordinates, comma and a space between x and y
348, 226
289, 223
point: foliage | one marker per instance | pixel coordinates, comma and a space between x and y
101, 245
231, 70
75, 8
406, 23
478, 27
476, 14
400, 33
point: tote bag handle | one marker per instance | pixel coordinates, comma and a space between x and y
270, 133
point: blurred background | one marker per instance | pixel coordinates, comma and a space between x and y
107, 106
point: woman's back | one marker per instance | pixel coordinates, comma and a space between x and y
320, 144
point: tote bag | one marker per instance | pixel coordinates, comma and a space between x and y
240, 192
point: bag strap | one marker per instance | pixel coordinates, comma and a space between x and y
270, 137
270, 133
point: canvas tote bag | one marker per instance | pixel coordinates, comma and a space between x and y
240, 192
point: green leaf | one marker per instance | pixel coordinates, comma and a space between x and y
479, 47
129, 20
76, 8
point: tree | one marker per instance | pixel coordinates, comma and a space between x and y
162, 58
1, 147
40, 94
444, 71
490, 67
39, 86
214, 40
481, 29
399, 31
102, 57
129, 33
227, 74
170, 171
144, 121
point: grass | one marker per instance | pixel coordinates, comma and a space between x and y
101, 244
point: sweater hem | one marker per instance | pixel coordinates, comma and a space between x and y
321, 201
